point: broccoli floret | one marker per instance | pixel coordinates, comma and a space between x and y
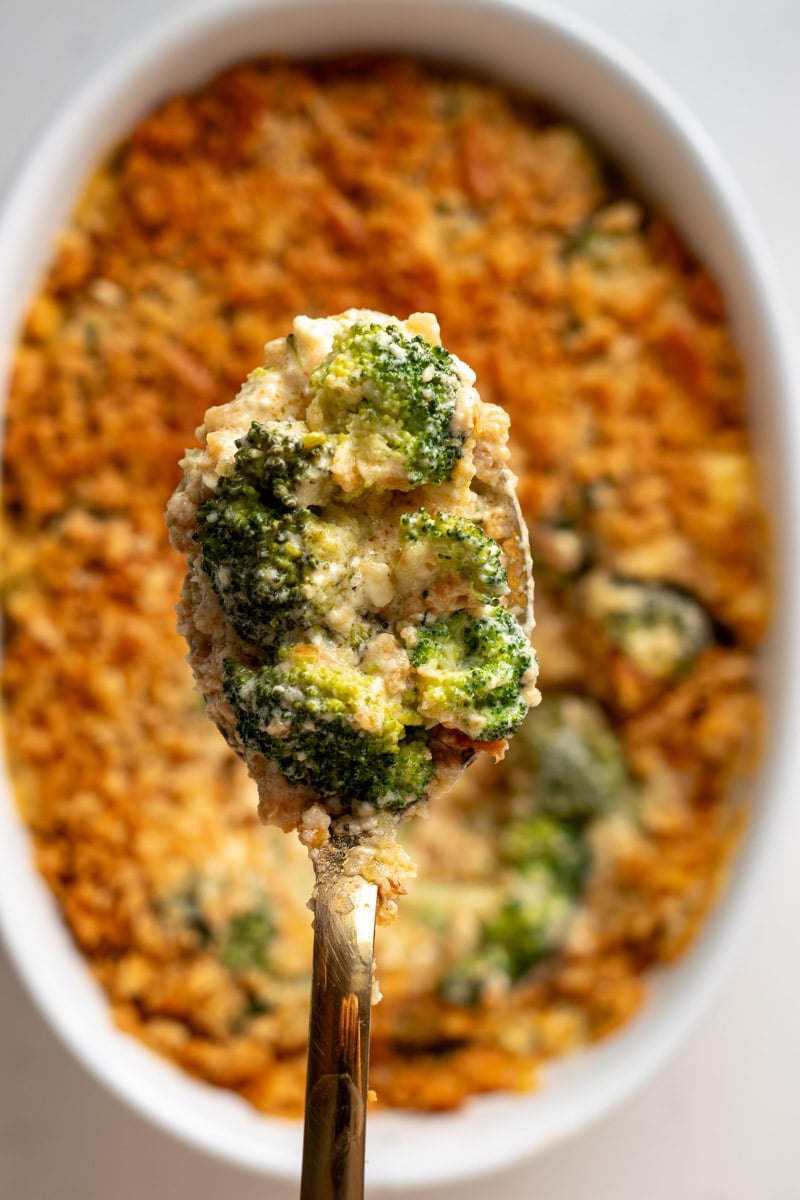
272, 570
659, 628
240, 943
272, 564
575, 758
531, 923
470, 673
527, 928
284, 462
257, 560
329, 726
394, 397
246, 940
460, 546
541, 840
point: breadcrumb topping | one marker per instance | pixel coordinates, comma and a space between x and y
587, 319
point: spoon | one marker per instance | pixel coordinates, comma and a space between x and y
345, 907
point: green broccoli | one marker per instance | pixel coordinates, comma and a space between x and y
460, 546
576, 761
273, 565
470, 673
240, 943
284, 462
529, 925
394, 396
308, 713
246, 939
542, 840
659, 628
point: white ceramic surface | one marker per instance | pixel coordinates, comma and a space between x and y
600, 85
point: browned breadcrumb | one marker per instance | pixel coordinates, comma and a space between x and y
281, 188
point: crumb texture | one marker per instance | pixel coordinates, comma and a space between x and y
549, 884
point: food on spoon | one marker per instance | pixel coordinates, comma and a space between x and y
330, 725
347, 597
404, 404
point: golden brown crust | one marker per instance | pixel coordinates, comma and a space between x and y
584, 315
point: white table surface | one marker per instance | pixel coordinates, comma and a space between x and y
722, 1121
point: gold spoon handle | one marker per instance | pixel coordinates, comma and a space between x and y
338, 1044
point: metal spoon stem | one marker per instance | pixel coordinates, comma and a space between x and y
338, 1047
